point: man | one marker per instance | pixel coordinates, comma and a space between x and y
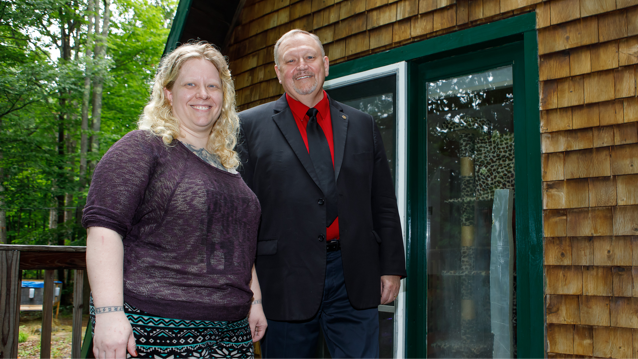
330, 248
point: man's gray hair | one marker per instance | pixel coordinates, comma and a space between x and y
292, 33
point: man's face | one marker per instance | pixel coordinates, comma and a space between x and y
302, 70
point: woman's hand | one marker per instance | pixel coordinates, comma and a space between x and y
104, 261
257, 320
113, 336
256, 316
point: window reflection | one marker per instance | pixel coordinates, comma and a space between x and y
378, 99
471, 304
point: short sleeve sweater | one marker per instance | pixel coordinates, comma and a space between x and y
189, 230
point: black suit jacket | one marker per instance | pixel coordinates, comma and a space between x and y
291, 249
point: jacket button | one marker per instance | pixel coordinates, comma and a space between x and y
320, 201
321, 237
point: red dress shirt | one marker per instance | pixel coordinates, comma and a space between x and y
325, 121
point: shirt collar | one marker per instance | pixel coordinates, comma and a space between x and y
299, 109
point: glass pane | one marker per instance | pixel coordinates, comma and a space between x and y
386, 334
377, 98
471, 304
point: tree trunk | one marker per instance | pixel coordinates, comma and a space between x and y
68, 207
58, 206
86, 97
68, 197
98, 81
53, 219
3, 213
65, 56
60, 216
70, 148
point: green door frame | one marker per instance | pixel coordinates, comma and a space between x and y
179, 21
520, 33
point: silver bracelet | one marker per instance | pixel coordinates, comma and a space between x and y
102, 310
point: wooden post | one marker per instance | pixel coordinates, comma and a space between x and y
9, 303
78, 305
47, 315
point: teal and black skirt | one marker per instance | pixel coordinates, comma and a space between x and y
158, 337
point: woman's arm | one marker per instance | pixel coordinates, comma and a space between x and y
256, 317
104, 261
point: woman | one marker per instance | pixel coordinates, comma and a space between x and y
172, 227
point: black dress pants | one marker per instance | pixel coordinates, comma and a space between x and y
349, 333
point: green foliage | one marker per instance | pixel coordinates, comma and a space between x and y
22, 336
42, 71
136, 46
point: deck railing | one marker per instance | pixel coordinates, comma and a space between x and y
16, 258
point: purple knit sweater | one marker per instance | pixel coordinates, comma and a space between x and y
189, 229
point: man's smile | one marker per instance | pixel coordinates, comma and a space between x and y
303, 77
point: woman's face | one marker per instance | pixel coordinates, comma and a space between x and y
197, 96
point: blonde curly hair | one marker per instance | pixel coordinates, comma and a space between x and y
158, 113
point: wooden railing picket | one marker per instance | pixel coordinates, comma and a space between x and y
10, 278
47, 315
14, 259
78, 305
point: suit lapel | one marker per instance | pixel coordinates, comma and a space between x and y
339, 132
288, 127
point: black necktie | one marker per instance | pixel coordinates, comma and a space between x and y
322, 160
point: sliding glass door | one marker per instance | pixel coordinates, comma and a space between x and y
381, 94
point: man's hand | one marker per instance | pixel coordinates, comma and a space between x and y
390, 285
257, 321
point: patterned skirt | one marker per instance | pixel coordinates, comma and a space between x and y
157, 337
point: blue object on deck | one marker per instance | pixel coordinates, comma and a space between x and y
31, 284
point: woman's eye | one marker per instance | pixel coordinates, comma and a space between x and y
190, 84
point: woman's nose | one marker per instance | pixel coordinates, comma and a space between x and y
202, 93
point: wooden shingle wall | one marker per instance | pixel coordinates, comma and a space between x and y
589, 123
348, 29
588, 53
